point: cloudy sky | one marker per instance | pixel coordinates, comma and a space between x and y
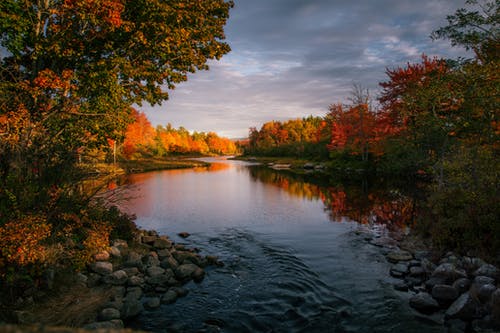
293, 58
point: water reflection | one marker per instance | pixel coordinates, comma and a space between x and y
377, 204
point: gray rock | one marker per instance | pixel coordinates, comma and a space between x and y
181, 292
101, 267
185, 271
198, 275
120, 243
482, 280
151, 260
104, 325
149, 239
416, 271
152, 303
487, 270
115, 304
131, 308
117, 278
163, 253
109, 314
472, 264
81, 279
169, 297
485, 292
444, 294
162, 243
169, 262
423, 302
93, 279
399, 270
214, 261
131, 271
115, 252
449, 272
134, 293
427, 265
184, 234
185, 257
158, 280
432, 281
465, 308
135, 281
400, 286
155, 270
118, 292
462, 285
397, 256
134, 259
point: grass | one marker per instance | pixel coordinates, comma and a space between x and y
153, 164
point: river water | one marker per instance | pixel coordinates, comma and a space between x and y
295, 260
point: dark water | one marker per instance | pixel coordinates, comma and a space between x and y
295, 261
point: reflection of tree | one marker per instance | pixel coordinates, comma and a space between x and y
346, 202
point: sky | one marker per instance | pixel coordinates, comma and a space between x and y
293, 58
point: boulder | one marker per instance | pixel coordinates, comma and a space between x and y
169, 297
444, 294
102, 256
487, 270
162, 243
184, 234
181, 292
399, 270
101, 267
185, 271
151, 260
109, 314
465, 308
449, 272
400, 255
117, 278
147, 239
169, 262
423, 302
462, 285
163, 253
485, 292
416, 271
154, 271
134, 293
115, 252
135, 281
131, 271
152, 303
131, 308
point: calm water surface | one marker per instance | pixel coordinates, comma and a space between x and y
291, 265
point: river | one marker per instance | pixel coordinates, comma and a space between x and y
295, 260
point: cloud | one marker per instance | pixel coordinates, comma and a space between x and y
292, 58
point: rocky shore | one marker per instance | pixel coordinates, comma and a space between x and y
134, 278
459, 292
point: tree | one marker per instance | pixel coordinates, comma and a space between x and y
476, 28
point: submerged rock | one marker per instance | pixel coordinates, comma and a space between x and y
424, 303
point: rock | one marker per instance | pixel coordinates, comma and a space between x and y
397, 256
169, 262
81, 278
118, 292
471, 264
135, 281
117, 278
184, 234
162, 243
148, 239
163, 253
399, 270
93, 279
151, 260
115, 252
308, 166
131, 308
105, 325
102, 256
487, 270
198, 275
159, 280
101, 267
134, 293
134, 259
462, 285
485, 292
423, 302
169, 297
120, 244
482, 280
109, 314
449, 272
416, 271
181, 292
465, 308
152, 303
400, 286
185, 271
427, 265
214, 261
115, 304
131, 271
187, 258
154, 271
413, 281
431, 282
444, 294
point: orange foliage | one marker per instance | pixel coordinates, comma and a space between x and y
140, 133
22, 240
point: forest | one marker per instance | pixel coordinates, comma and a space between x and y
437, 120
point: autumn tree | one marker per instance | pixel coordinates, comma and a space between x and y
69, 72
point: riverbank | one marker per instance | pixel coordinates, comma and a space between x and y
122, 282
458, 292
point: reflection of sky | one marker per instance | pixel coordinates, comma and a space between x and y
292, 58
